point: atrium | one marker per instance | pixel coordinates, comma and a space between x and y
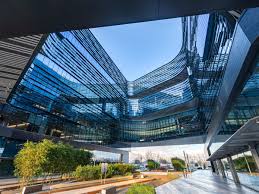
58, 82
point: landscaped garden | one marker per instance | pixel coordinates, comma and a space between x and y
63, 167
45, 159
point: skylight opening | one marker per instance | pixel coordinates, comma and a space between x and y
139, 48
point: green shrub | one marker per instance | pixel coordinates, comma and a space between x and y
87, 172
241, 165
178, 164
141, 189
94, 172
122, 169
46, 157
151, 164
128, 174
111, 171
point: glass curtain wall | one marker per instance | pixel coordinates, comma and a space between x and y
68, 91
72, 89
246, 105
177, 99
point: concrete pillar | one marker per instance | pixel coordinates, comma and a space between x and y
211, 162
233, 170
255, 155
124, 157
221, 168
121, 158
216, 170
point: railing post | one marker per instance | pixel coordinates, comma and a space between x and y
216, 169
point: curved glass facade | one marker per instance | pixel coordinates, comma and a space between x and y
74, 90
66, 89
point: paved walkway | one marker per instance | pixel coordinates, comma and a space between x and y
203, 182
251, 181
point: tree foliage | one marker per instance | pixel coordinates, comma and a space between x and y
241, 164
178, 164
46, 157
88, 172
151, 165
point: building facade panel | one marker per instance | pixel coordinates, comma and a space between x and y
72, 89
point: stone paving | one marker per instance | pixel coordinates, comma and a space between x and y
203, 182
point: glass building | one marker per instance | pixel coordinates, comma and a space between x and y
72, 89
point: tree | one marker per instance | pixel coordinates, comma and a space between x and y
151, 164
28, 162
46, 157
178, 164
64, 158
241, 164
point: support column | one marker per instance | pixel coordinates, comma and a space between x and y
124, 157
255, 155
221, 168
216, 169
211, 162
233, 170
121, 158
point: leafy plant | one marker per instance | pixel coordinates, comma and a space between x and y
151, 164
94, 172
240, 163
88, 172
29, 162
178, 164
141, 189
46, 157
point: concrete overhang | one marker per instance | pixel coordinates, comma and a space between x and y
240, 141
44, 16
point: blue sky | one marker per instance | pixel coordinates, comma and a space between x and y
141, 47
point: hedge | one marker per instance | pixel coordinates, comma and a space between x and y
89, 172
178, 164
151, 165
141, 189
